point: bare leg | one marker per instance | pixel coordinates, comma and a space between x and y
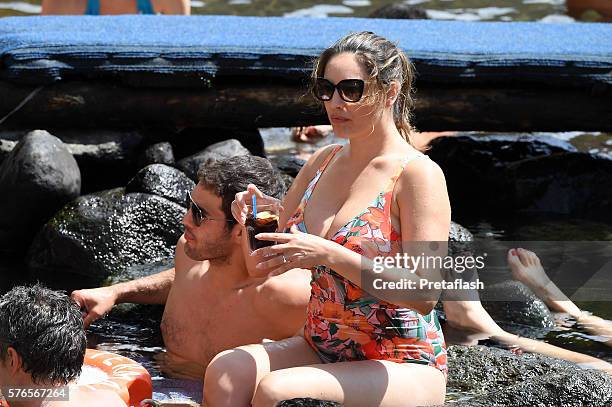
232, 376
473, 318
355, 384
265, 374
526, 268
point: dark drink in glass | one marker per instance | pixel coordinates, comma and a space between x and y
265, 222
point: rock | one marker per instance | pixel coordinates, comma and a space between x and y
158, 153
481, 171
161, 180
37, 178
100, 235
287, 180
399, 11
499, 377
218, 151
288, 164
573, 183
106, 157
197, 139
512, 305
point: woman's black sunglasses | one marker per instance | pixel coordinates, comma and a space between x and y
350, 90
197, 213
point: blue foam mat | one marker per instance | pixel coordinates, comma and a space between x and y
42, 49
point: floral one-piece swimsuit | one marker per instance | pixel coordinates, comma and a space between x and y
344, 322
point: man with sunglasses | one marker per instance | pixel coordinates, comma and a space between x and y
213, 298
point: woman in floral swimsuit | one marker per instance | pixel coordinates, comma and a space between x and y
348, 205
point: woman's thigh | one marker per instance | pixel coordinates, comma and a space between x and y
354, 384
232, 376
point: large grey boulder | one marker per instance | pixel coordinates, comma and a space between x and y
218, 151
162, 180
37, 178
106, 158
100, 235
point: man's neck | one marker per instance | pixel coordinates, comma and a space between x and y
229, 273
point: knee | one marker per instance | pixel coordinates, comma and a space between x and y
270, 391
230, 379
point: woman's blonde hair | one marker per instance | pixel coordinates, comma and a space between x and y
384, 62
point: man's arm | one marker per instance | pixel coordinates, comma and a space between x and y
153, 289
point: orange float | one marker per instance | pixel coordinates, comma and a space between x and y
129, 379
123, 376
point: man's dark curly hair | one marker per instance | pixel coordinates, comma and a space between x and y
45, 328
232, 175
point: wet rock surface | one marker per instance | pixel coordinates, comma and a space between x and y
573, 183
37, 178
161, 180
288, 164
158, 153
218, 151
99, 235
498, 377
493, 174
512, 305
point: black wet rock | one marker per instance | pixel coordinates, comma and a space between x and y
498, 377
288, 164
37, 178
478, 169
191, 139
515, 307
158, 153
100, 235
161, 180
459, 234
573, 183
218, 151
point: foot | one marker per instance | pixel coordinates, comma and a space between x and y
310, 134
527, 269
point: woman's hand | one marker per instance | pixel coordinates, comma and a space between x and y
294, 250
242, 199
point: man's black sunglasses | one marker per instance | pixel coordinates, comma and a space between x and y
197, 213
350, 90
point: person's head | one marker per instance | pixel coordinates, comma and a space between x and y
382, 89
218, 233
42, 338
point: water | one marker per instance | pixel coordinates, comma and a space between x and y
470, 10
141, 339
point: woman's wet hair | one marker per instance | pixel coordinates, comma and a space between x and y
384, 62
45, 328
